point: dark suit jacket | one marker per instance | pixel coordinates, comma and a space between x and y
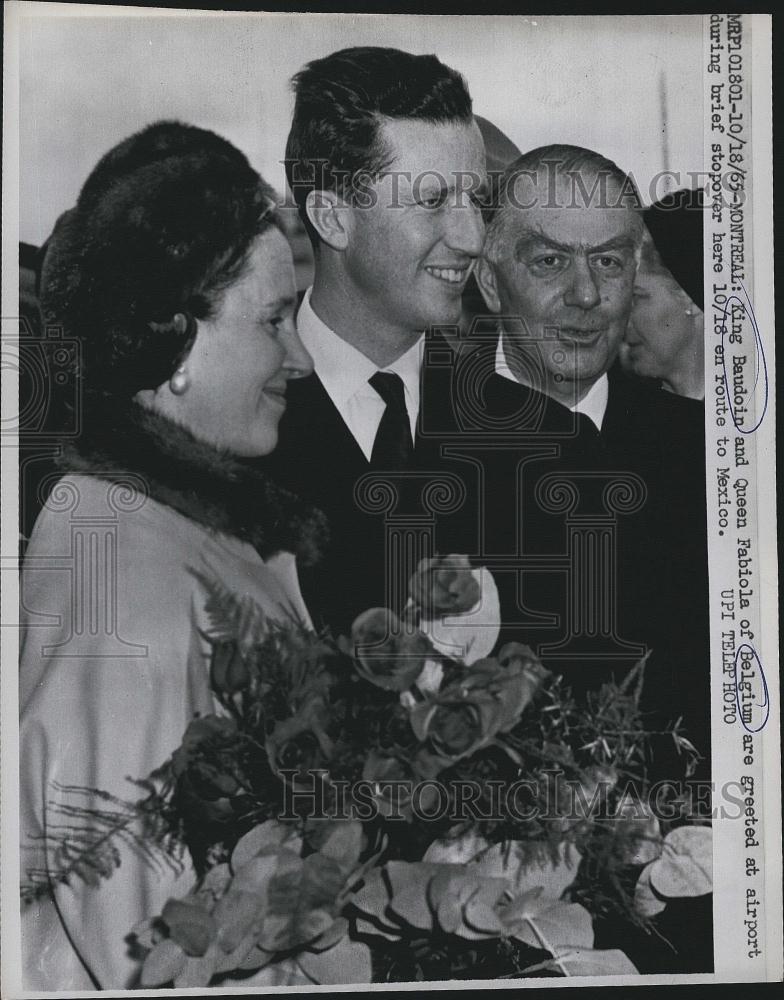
381, 521
596, 541
608, 533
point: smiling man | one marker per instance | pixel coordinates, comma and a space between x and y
561, 257
386, 165
558, 270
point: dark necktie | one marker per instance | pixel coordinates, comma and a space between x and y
392, 448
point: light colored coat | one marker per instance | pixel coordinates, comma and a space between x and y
114, 665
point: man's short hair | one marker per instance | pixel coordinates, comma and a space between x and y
341, 101
576, 162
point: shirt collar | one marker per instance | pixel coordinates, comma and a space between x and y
342, 369
592, 405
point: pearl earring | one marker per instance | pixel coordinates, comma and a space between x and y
179, 382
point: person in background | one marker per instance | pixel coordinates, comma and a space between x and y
665, 335
500, 152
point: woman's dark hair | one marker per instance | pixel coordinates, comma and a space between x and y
342, 99
163, 224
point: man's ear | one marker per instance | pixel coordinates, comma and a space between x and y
326, 212
484, 272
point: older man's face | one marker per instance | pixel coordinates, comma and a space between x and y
566, 267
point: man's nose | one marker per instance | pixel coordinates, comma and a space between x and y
465, 229
582, 290
298, 363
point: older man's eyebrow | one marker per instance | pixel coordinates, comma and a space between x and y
535, 241
619, 243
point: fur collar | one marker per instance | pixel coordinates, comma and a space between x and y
207, 485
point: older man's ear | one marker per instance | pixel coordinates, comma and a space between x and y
484, 272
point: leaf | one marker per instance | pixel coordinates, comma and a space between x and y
234, 915
342, 842
232, 616
163, 964
697, 841
420, 717
449, 913
192, 927
215, 882
331, 936
511, 861
373, 898
246, 948
550, 925
520, 906
256, 958
586, 962
287, 931
639, 832
645, 843
301, 904
147, 932
364, 926
286, 972
464, 902
257, 873
479, 913
264, 837
686, 865
197, 971
457, 850
348, 962
646, 902
400, 873
411, 905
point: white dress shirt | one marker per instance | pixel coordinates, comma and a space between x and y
593, 404
344, 372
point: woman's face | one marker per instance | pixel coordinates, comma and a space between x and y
243, 356
659, 328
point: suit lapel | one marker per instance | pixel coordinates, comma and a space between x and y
312, 428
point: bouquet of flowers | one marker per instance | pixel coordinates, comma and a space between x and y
398, 805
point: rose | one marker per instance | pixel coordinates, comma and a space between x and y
457, 722
520, 677
455, 727
444, 585
468, 715
205, 766
386, 653
512, 681
206, 734
228, 670
301, 741
301, 753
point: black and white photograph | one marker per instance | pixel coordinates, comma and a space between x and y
389, 564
